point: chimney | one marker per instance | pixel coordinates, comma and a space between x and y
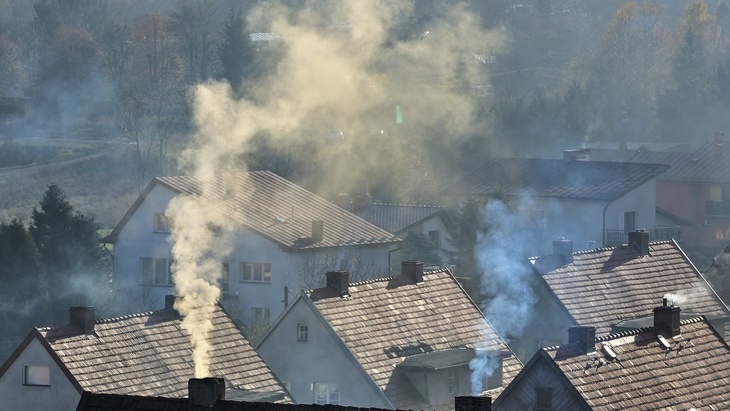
584, 336
412, 270
563, 249
169, 302
472, 403
466, 283
666, 319
639, 239
339, 280
317, 230
82, 316
204, 393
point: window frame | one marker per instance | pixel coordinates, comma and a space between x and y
150, 273
225, 279
46, 377
302, 332
330, 390
254, 272
543, 398
160, 223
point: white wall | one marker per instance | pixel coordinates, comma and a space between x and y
60, 395
319, 360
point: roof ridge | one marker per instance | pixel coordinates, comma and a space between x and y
106, 320
379, 279
409, 205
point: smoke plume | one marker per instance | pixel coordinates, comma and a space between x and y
338, 63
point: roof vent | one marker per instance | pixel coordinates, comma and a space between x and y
663, 341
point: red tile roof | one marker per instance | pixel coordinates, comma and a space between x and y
606, 286
384, 321
275, 208
709, 164
150, 354
692, 374
588, 180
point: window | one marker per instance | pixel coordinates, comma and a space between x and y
302, 332
156, 270
257, 272
225, 278
629, 221
544, 398
37, 375
161, 223
261, 315
434, 237
327, 394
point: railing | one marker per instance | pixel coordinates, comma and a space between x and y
619, 237
717, 207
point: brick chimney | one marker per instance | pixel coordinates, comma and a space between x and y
563, 249
204, 393
472, 403
639, 239
339, 280
584, 336
169, 302
412, 270
317, 230
666, 319
83, 317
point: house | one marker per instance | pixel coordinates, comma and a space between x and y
623, 150
696, 188
430, 221
591, 202
401, 342
147, 354
672, 364
205, 394
283, 237
608, 288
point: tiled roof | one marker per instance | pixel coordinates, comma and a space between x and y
277, 209
709, 164
151, 354
398, 217
606, 286
588, 180
384, 321
692, 374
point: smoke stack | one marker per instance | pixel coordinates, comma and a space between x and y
472, 403
584, 336
666, 319
204, 393
563, 249
639, 239
339, 280
412, 270
82, 317
317, 230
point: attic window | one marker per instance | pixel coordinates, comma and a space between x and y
37, 375
302, 332
544, 398
161, 223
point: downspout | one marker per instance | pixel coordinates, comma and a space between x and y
111, 255
603, 233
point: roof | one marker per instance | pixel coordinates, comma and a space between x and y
383, 322
150, 354
115, 402
264, 36
398, 218
605, 286
691, 374
275, 208
584, 180
709, 164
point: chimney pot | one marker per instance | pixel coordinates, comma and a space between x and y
583, 335
339, 280
412, 270
640, 240
563, 249
204, 393
472, 403
666, 319
83, 317
317, 230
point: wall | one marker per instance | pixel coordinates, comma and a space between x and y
61, 395
319, 360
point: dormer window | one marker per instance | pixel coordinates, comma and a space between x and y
161, 223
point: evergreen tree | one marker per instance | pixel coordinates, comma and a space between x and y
419, 247
236, 53
467, 222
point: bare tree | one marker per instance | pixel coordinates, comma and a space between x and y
309, 272
193, 25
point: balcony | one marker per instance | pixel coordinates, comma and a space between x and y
616, 238
717, 208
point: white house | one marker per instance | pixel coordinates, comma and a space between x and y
398, 343
284, 238
593, 203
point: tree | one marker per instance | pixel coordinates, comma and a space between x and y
236, 53
467, 222
192, 25
419, 247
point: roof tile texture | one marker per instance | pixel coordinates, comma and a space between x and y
397, 217
709, 164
